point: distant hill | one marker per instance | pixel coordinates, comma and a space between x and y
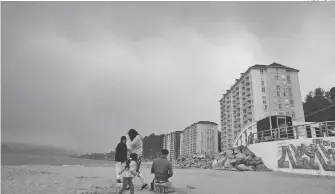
26, 148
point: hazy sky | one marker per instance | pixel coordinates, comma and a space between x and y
81, 74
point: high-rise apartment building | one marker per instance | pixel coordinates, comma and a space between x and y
262, 91
200, 137
171, 142
182, 148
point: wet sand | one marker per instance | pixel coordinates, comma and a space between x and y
101, 180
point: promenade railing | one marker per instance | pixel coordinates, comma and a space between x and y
319, 129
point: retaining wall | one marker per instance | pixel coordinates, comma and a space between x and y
315, 156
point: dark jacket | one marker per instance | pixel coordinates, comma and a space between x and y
121, 151
162, 168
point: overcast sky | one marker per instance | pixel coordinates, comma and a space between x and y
81, 74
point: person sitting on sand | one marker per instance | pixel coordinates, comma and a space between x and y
120, 157
128, 173
136, 146
162, 169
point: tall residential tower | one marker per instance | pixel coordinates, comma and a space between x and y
262, 91
200, 137
171, 142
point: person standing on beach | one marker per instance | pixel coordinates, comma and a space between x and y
120, 157
136, 146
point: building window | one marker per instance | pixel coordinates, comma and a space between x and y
288, 78
287, 113
280, 107
276, 76
278, 87
262, 71
287, 101
278, 94
284, 77
263, 89
291, 102
265, 107
264, 102
285, 94
262, 82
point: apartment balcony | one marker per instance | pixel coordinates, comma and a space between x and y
247, 83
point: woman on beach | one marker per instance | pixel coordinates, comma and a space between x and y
129, 173
136, 146
120, 157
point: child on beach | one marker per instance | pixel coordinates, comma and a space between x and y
120, 157
129, 173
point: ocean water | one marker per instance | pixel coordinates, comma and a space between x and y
30, 159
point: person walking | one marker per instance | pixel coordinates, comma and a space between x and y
121, 152
136, 146
129, 173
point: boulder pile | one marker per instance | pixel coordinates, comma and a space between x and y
193, 163
236, 159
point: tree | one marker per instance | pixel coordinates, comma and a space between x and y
316, 105
315, 100
152, 145
332, 94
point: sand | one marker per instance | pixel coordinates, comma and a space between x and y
101, 180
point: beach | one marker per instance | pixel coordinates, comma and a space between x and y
100, 179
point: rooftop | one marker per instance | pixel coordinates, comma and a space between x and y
202, 122
258, 66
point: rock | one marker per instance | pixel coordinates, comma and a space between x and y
262, 168
240, 156
219, 168
228, 153
247, 152
251, 167
230, 168
230, 163
238, 162
242, 167
254, 162
214, 163
247, 158
222, 161
237, 151
241, 147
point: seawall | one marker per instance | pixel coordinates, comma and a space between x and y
314, 156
